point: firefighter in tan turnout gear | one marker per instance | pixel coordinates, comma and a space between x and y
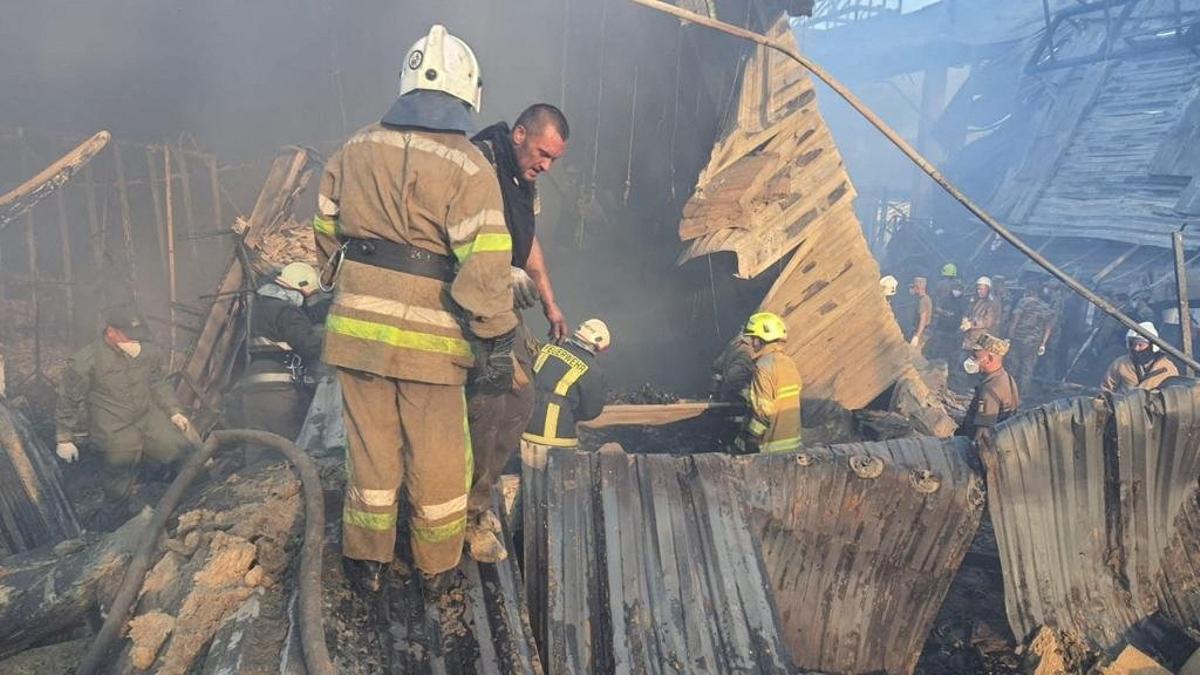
773, 422
411, 219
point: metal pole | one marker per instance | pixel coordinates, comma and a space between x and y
170, 210
1181, 287
929, 169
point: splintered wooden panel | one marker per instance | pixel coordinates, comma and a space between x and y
774, 174
855, 536
841, 330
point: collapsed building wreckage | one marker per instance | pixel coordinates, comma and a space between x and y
705, 563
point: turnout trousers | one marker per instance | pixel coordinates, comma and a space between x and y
401, 433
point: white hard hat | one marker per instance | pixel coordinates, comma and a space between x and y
984, 281
298, 275
441, 62
594, 332
1147, 326
889, 285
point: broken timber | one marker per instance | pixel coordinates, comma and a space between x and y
775, 183
22, 198
208, 367
1095, 510
34, 510
767, 563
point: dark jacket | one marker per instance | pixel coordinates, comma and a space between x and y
520, 197
110, 392
568, 389
279, 329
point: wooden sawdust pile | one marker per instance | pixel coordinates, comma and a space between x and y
230, 548
293, 241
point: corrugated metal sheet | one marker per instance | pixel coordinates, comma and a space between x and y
711, 563
848, 556
1103, 164
1095, 513
645, 564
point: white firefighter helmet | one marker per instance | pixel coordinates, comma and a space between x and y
594, 333
889, 285
1134, 336
441, 62
299, 276
984, 281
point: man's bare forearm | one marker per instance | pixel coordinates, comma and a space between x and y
535, 266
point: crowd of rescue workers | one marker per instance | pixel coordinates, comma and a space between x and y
427, 253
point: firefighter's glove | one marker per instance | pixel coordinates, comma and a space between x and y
525, 292
1042, 350
494, 365
67, 452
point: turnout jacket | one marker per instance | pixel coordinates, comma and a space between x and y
433, 191
1124, 375
568, 388
774, 399
110, 391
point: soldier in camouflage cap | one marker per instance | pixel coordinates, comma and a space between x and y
996, 396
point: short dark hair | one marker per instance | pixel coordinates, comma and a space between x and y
537, 116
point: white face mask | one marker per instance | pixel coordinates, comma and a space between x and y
956, 292
131, 349
971, 366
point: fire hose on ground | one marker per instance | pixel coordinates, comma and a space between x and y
312, 629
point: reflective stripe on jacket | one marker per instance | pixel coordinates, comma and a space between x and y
434, 191
569, 389
773, 424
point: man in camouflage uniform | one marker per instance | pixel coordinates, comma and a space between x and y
996, 397
115, 392
413, 213
1029, 331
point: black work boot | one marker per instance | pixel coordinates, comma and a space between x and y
366, 576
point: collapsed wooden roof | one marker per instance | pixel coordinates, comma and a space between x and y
776, 183
1104, 138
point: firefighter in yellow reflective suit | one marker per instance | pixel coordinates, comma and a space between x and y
773, 395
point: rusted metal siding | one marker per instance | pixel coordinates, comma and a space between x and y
861, 542
768, 563
645, 564
1094, 507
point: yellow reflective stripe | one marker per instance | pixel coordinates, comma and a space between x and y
470, 446
470, 226
484, 243
550, 440
440, 533
782, 445
443, 510
367, 520
756, 427
396, 309
550, 428
576, 367
325, 226
788, 392
397, 337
